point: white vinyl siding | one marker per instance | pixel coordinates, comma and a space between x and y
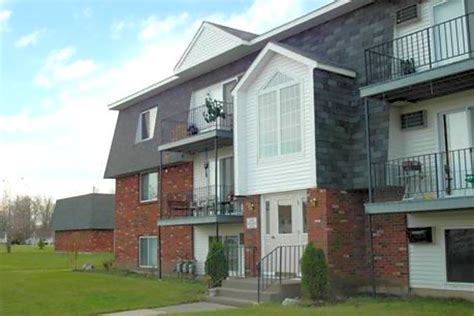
428, 261
424, 140
201, 240
148, 252
199, 172
280, 173
210, 42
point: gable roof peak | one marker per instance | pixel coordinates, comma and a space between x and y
244, 35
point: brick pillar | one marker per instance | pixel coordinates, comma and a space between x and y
252, 237
336, 224
391, 252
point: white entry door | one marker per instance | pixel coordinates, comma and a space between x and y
283, 222
457, 137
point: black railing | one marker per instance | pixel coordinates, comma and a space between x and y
282, 263
206, 201
195, 121
429, 176
241, 262
435, 46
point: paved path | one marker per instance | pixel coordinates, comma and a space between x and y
183, 308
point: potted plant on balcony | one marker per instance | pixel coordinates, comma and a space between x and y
215, 109
192, 130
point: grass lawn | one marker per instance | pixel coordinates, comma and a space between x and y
363, 307
40, 282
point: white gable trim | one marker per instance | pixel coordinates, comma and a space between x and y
206, 25
272, 48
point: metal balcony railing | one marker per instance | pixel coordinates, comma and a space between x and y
195, 121
430, 176
205, 201
420, 51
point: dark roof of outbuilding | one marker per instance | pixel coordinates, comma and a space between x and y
90, 211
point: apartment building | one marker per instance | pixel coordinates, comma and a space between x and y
260, 140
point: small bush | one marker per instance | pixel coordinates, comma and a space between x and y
314, 273
108, 264
41, 244
216, 265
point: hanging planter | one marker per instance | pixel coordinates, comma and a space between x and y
215, 109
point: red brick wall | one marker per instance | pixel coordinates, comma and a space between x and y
390, 250
134, 219
88, 240
336, 223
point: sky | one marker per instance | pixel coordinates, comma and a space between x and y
63, 62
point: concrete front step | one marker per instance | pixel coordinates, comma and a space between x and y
243, 294
242, 284
244, 291
230, 301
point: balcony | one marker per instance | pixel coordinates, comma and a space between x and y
436, 181
206, 205
431, 62
196, 129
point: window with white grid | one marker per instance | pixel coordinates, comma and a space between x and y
290, 119
268, 124
279, 118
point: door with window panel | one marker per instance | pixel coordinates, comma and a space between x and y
284, 224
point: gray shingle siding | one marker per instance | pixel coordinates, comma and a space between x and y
126, 156
341, 144
90, 211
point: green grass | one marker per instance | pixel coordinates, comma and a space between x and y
362, 307
40, 282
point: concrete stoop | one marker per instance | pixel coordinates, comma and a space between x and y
244, 292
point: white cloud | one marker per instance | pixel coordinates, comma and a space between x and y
58, 67
64, 151
84, 13
118, 27
28, 39
152, 28
4, 17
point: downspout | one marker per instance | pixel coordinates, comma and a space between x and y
369, 164
160, 174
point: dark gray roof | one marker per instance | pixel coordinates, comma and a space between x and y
246, 36
90, 211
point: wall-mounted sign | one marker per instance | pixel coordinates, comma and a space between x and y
251, 223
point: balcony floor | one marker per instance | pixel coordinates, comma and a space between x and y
201, 220
414, 206
439, 81
199, 142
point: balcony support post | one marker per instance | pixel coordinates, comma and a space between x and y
367, 141
369, 165
216, 170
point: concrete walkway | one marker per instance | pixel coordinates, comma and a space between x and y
183, 308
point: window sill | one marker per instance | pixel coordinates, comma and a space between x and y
144, 202
143, 140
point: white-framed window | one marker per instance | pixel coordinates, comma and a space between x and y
148, 186
148, 252
146, 125
279, 118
